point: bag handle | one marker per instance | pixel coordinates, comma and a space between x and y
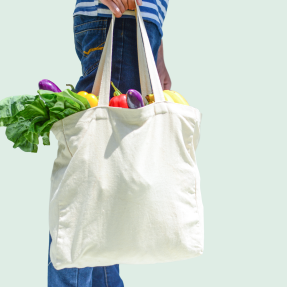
146, 88
152, 69
147, 66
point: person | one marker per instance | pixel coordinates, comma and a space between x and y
91, 25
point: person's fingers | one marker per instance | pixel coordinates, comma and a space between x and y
161, 81
131, 4
118, 7
167, 85
167, 81
126, 4
120, 4
113, 7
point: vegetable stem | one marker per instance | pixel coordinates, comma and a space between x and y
117, 91
72, 88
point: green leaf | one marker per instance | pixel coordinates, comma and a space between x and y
37, 123
32, 137
29, 117
46, 139
19, 134
29, 147
80, 98
49, 98
58, 107
11, 107
16, 130
35, 109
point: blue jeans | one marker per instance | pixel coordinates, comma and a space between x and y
90, 35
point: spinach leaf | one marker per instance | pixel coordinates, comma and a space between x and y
29, 117
11, 107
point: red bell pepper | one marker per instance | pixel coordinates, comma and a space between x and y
118, 100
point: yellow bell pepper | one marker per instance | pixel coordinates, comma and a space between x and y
92, 99
177, 97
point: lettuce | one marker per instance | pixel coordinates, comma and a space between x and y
11, 107
29, 117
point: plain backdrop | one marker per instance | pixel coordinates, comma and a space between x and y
229, 60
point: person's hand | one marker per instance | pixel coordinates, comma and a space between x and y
162, 71
118, 7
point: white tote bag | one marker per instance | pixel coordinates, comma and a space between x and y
125, 186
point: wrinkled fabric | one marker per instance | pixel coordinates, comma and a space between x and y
126, 187
101, 276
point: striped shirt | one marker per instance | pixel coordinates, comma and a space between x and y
151, 10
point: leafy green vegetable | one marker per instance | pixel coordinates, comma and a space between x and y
19, 134
29, 117
66, 97
11, 107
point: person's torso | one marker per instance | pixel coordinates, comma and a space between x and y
151, 10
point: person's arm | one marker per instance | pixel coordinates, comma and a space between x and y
162, 71
118, 7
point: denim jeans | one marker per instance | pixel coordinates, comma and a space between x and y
90, 35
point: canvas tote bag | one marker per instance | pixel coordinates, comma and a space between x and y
125, 186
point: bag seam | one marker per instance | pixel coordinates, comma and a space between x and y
66, 139
115, 116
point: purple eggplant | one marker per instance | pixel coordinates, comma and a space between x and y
49, 86
134, 99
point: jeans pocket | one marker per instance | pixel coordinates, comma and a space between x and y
90, 34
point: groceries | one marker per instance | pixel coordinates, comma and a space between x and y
134, 99
117, 92
27, 118
170, 96
92, 99
177, 97
150, 98
119, 100
131, 100
49, 86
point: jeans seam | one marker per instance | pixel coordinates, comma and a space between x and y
88, 23
95, 29
106, 276
122, 48
78, 42
118, 78
91, 69
80, 51
77, 273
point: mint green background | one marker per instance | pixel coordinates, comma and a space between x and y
229, 59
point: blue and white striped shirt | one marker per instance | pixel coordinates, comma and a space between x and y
151, 10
